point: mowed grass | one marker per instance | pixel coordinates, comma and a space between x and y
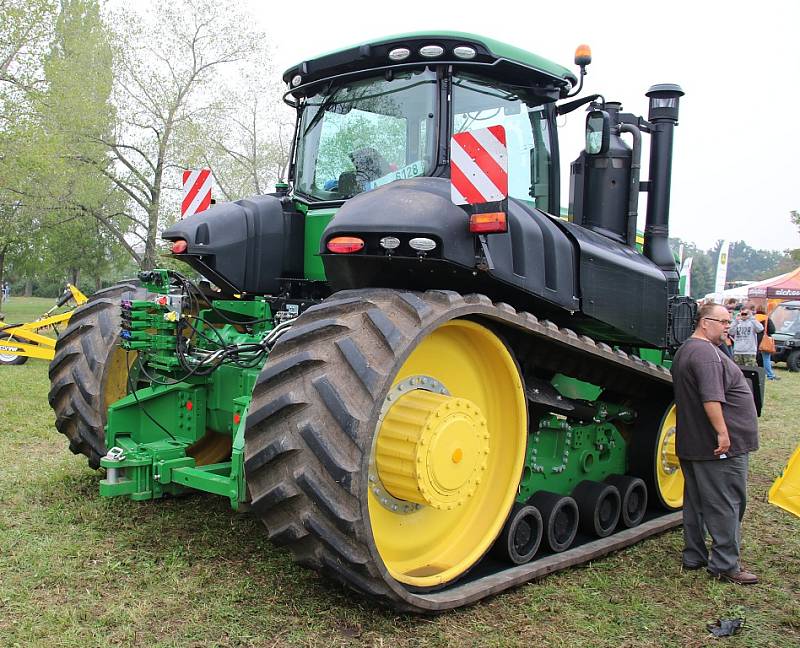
79, 570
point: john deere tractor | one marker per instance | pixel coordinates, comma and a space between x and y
430, 400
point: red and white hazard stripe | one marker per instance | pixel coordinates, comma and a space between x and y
479, 166
196, 191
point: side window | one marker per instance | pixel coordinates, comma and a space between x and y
478, 105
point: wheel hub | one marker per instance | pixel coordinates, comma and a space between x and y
669, 457
432, 449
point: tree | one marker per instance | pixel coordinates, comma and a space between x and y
166, 69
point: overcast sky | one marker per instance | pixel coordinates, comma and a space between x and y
736, 165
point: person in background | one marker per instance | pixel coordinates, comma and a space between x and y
716, 429
743, 331
769, 329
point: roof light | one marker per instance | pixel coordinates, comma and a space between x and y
179, 246
296, 80
399, 53
464, 52
583, 55
431, 51
422, 244
490, 223
345, 244
390, 242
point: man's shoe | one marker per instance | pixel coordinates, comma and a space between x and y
692, 567
740, 577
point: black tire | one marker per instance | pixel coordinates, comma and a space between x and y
312, 421
7, 358
521, 536
559, 519
86, 354
598, 507
634, 498
793, 360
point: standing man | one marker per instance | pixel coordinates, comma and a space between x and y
717, 427
744, 331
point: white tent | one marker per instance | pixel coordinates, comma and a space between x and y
739, 293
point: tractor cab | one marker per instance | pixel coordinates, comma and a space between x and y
377, 113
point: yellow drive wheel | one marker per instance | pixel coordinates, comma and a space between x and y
669, 476
447, 454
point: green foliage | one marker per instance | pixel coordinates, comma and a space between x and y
744, 264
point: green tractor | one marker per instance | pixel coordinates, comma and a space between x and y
427, 401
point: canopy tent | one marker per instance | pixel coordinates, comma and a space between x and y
738, 293
771, 292
785, 286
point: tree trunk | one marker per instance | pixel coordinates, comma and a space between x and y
2, 273
28, 288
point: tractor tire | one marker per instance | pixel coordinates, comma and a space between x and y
89, 371
326, 427
10, 358
793, 361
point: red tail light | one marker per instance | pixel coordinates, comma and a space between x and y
345, 244
179, 246
488, 223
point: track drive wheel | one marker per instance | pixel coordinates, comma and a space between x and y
654, 459
10, 358
386, 439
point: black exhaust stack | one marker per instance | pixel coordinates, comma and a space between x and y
663, 117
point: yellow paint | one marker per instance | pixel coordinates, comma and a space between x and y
467, 501
785, 492
668, 469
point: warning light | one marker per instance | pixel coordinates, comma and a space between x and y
161, 301
345, 244
236, 418
189, 405
488, 223
179, 246
583, 55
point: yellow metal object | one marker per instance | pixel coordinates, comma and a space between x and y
429, 542
432, 449
24, 340
785, 492
668, 468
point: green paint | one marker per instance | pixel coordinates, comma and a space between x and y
561, 454
501, 51
316, 222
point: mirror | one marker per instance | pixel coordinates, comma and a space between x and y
598, 131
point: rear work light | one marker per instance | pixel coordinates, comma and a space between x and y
179, 246
490, 223
345, 244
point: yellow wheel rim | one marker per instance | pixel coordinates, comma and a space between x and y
669, 476
447, 455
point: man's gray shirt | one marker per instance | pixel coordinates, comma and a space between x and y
701, 373
744, 334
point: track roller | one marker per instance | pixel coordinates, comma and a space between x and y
633, 492
599, 507
559, 518
521, 536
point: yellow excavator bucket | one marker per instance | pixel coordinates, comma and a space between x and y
785, 492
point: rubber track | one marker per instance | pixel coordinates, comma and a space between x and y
315, 409
77, 372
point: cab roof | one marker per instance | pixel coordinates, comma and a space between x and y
499, 60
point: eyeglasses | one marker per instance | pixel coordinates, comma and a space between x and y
724, 322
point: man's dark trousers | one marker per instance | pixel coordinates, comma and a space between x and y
715, 498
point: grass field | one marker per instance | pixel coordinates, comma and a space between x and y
78, 570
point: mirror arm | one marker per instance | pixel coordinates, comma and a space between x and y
568, 107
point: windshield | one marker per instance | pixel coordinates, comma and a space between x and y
365, 134
786, 319
480, 104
